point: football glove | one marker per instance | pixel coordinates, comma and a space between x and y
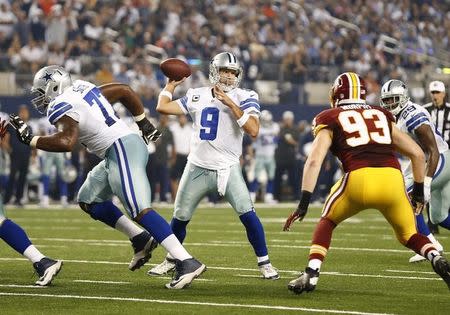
24, 132
149, 132
298, 214
301, 211
3, 125
417, 197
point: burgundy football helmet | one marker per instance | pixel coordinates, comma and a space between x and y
348, 88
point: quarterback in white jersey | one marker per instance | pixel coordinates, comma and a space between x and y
221, 113
416, 121
82, 112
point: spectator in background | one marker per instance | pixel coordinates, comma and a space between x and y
104, 74
158, 163
20, 160
57, 28
285, 157
181, 131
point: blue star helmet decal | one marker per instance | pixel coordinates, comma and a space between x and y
48, 77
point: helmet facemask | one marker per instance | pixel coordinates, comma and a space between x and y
394, 96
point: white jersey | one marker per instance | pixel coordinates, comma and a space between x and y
216, 140
181, 137
98, 126
266, 142
412, 117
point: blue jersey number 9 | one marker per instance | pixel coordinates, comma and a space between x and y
93, 97
209, 120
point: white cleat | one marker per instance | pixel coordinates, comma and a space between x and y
163, 268
185, 272
47, 269
268, 271
417, 258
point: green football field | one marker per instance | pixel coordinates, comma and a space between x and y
366, 271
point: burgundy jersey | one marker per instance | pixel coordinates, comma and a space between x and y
361, 135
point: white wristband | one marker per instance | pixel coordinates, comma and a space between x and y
427, 180
241, 121
166, 93
139, 117
33, 141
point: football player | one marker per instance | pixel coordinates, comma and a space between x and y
365, 139
264, 148
221, 113
82, 112
416, 121
16, 237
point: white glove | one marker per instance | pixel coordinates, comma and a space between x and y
427, 189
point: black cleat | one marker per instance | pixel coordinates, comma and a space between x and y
442, 268
143, 246
47, 269
185, 272
305, 282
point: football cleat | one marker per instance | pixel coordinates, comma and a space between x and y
167, 265
47, 269
417, 258
306, 282
442, 268
185, 272
268, 271
143, 245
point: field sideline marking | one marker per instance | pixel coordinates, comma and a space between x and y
257, 306
330, 273
227, 244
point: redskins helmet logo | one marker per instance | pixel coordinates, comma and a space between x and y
348, 88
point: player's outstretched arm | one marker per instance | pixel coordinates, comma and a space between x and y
165, 104
62, 141
313, 164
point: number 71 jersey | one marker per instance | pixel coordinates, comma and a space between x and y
98, 126
361, 135
216, 140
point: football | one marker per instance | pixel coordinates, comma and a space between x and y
175, 69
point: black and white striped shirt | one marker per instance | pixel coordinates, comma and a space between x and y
441, 119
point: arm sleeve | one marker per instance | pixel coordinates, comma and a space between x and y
250, 103
60, 109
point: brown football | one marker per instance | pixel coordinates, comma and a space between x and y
175, 69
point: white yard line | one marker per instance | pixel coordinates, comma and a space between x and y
207, 304
411, 271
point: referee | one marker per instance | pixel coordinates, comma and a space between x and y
439, 110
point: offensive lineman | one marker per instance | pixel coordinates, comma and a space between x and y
83, 112
221, 114
364, 138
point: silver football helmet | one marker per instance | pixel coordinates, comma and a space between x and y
225, 60
48, 83
394, 96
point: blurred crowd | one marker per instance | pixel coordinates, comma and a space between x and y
289, 41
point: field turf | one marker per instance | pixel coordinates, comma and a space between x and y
366, 270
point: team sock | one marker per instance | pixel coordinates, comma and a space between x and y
179, 228
14, 236
255, 232
106, 212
